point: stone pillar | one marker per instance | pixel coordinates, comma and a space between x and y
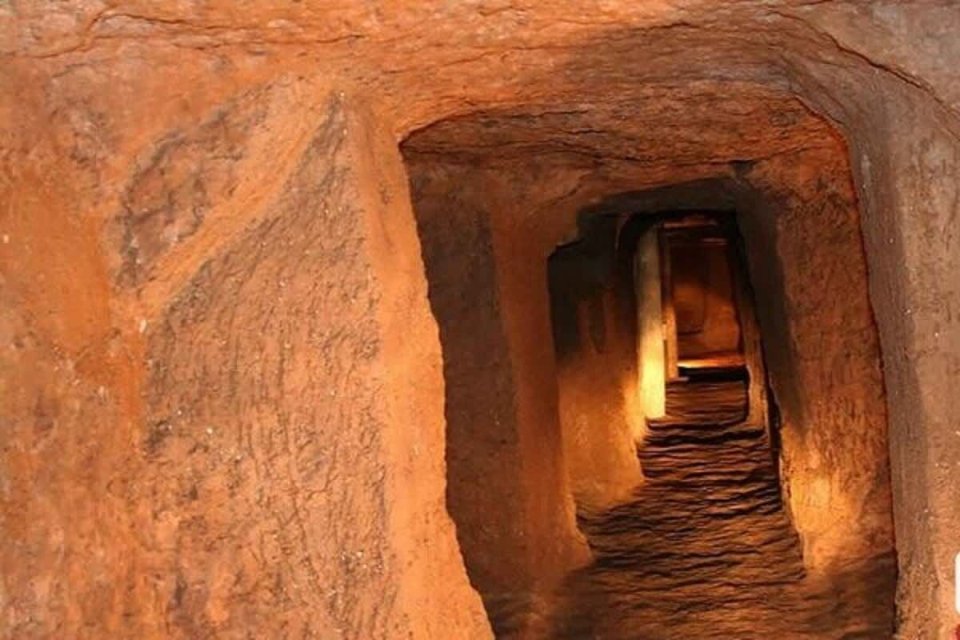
669, 316
651, 353
757, 408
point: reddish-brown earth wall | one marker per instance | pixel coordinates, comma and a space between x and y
594, 333
106, 106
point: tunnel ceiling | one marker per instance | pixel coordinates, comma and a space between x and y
699, 123
568, 157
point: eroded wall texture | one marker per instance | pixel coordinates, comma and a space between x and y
507, 484
594, 333
823, 354
165, 166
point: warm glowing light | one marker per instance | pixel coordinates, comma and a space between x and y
650, 348
956, 582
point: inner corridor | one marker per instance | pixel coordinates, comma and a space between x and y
665, 417
705, 549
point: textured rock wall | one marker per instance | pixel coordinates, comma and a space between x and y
299, 353
524, 299
484, 476
802, 230
907, 186
600, 412
506, 481
279, 458
594, 330
94, 91
64, 437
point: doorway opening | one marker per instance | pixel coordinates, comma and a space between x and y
660, 306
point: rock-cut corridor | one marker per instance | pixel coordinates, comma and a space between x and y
389, 319
705, 549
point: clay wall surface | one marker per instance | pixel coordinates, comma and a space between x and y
801, 229
506, 478
273, 452
595, 333
159, 167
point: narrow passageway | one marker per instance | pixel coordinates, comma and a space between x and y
705, 548
700, 450
480, 320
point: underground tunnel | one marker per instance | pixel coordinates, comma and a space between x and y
661, 421
479, 319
